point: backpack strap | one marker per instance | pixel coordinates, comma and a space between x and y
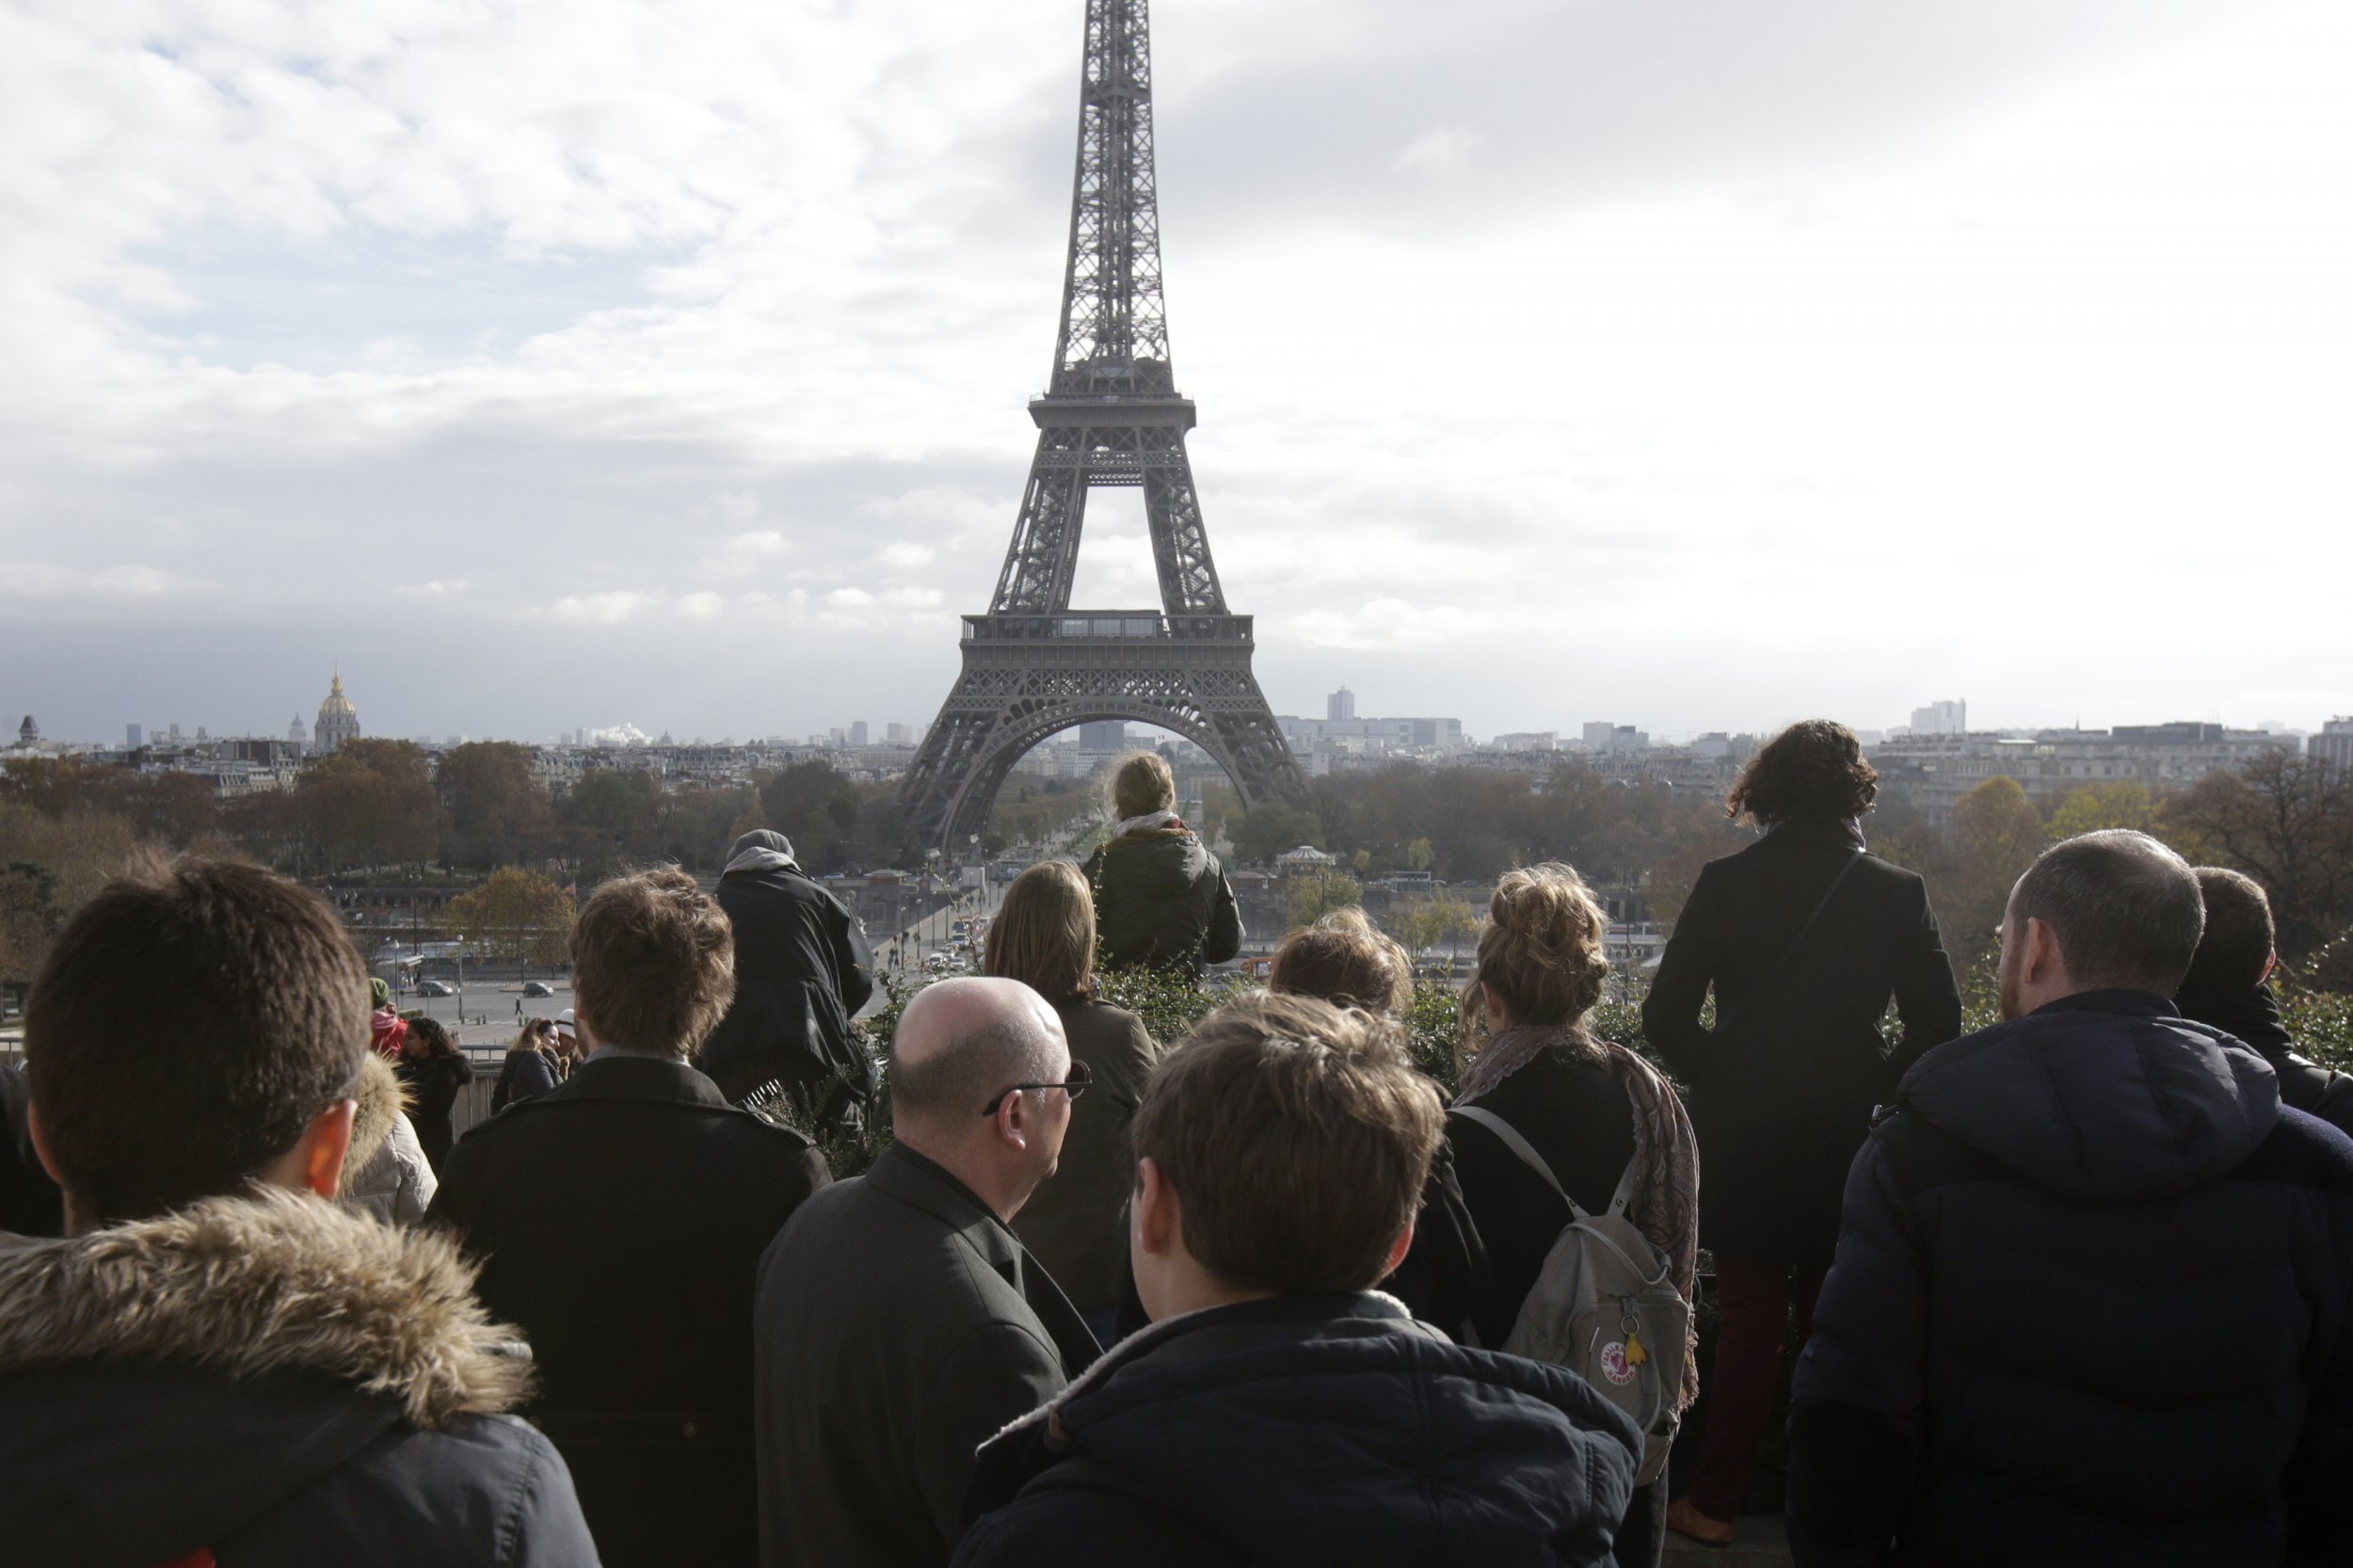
1723, 1018
1529, 1156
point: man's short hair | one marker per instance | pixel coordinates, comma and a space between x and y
1297, 1138
2239, 936
188, 1024
2124, 909
653, 962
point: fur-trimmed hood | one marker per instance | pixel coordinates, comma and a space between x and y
378, 1098
271, 1282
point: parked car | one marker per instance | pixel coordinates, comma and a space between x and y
436, 988
537, 988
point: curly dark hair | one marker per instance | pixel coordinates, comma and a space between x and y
1814, 768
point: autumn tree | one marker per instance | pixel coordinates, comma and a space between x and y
1996, 835
1311, 895
2287, 822
1272, 826
50, 866
495, 808
514, 916
369, 802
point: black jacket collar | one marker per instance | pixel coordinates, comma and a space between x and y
2132, 1003
639, 1078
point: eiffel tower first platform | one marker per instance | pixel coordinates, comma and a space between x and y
1033, 666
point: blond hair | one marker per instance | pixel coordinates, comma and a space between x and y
1541, 953
1343, 959
1043, 936
1142, 783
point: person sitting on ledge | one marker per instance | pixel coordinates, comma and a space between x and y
1161, 902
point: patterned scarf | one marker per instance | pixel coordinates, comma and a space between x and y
1665, 1204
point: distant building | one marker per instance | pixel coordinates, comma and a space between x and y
133, 736
857, 734
1942, 718
28, 733
897, 735
1104, 735
338, 720
2333, 744
1340, 705
1614, 738
297, 733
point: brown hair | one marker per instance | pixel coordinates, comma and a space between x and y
1297, 1138
2125, 909
2236, 947
1142, 783
1044, 934
1343, 959
1541, 953
653, 962
1814, 768
188, 1023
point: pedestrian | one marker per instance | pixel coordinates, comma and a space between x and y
386, 1172
529, 1069
2228, 987
900, 1321
1278, 1411
216, 1364
1161, 900
1075, 1223
386, 1026
1600, 1123
435, 1070
1344, 959
621, 1220
2094, 1300
568, 1051
803, 970
1804, 938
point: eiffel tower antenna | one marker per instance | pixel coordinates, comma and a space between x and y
1110, 415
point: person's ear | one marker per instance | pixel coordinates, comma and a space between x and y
1157, 1215
1012, 1120
318, 1155
2042, 961
1398, 1249
2271, 962
40, 1143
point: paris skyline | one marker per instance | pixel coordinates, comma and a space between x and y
1658, 363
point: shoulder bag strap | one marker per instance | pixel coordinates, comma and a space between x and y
1521, 1146
1723, 1021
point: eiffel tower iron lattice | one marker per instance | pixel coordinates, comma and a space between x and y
1110, 416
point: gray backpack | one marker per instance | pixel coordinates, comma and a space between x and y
1606, 1307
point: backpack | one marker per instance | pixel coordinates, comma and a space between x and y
1605, 1307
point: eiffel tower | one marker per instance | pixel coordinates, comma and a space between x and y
1033, 666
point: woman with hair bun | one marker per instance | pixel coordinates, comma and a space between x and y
1803, 937
1161, 898
1592, 1109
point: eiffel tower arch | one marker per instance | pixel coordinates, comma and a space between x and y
1111, 417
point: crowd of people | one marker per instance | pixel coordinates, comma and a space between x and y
2074, 1288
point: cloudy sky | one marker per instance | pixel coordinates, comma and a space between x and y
1694, 363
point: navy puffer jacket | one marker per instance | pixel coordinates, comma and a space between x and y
1306, 1433
2090, 1306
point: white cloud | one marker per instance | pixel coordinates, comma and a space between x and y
436, 588
906, 555
610, 608
1437, 150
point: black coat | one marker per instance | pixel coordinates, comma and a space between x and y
433, 1086
900, 1325
1783, 1088
2251, 1015
1161, 900
622, 1219
1306, 1433
802, 970
2094, 1304
527, 1073
30, 1204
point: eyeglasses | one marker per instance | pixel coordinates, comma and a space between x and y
1081, 1075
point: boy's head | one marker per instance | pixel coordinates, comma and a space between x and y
654, 962
1280, 1150
2235, 951
138, 1110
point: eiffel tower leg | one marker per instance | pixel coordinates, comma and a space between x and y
1180, 544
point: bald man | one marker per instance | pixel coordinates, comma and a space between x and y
899, 1322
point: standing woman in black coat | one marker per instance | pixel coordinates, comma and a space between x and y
435, 1070
1803, 937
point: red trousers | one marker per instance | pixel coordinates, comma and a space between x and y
1755, 1300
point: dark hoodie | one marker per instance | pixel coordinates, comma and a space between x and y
2094, 1304
273, 1380
1306, 1432
802, 970
2251, 1015
1161, 900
